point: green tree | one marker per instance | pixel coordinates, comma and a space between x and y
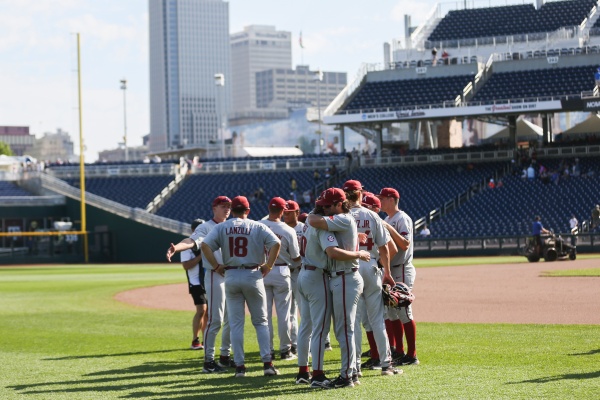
5, 149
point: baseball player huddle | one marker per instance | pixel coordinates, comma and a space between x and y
330, 268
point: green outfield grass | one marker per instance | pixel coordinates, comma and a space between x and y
463, 261
62, 336
574, 272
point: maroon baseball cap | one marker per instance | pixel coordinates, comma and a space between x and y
292, 206
302, 217
221, 199
389, 192
371, 200
330, 196
278, 202
240, 202
352, 185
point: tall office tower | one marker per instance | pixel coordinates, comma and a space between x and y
189, 44
257, 48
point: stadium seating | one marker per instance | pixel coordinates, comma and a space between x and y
10, 189
193, 199
130, 191
424, 188
510, 20
404, 93
536, 84
510, 210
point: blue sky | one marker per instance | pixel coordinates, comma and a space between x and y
38, 55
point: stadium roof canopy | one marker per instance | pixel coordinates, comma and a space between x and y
590, 125
525, 131
272, 151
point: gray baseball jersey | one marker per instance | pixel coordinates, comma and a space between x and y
198, 236
403, 224
315, 254
242, 241
369, 223
289, 241
344, 227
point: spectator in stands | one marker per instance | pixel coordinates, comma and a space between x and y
306, 198
576, 169
293, 184
333, 170
491, 184
537, 230
32, 240
524, 174
146, 160
425, 232
316, 176
156, 159
433, 56
595, 216
530, 172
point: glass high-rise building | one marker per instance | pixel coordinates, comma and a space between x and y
189, 44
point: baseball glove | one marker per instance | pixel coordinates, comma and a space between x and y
397, 296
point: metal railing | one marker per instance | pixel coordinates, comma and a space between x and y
136, 214
101, 171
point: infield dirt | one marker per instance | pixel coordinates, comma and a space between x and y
497, 293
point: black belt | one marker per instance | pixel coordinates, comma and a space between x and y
310, 267
281, 265
338, 273
243, 267
399, 265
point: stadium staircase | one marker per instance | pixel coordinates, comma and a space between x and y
168, 191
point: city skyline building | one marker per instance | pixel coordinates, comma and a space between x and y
189, 45
257, 48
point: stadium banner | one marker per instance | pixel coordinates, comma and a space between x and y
581, 104
448, 112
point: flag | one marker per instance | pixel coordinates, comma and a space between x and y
300, 41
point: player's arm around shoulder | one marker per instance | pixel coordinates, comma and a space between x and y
402, 242
173, 249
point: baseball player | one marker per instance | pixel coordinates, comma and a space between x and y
192, 264
243, 243
346, 284
278, 282
374, 273
290, 217
214, 284
313, 288
302, 218
402, 271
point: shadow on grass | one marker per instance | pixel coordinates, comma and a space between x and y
589, 353
133, 353
587, 375
179, 379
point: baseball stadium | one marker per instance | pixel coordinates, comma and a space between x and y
90, 306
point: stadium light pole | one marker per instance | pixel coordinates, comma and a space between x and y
318, 79
124, 88
220, 82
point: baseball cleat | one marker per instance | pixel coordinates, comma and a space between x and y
212, 367
407, 360
288, 355
240, 372
270, 371
196, 345
341, 382
371, 364
397, 357
320, 381
355, 380
226, 362
391, 370
359, 372
303, 378
294, 350
366, 354
328, 346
